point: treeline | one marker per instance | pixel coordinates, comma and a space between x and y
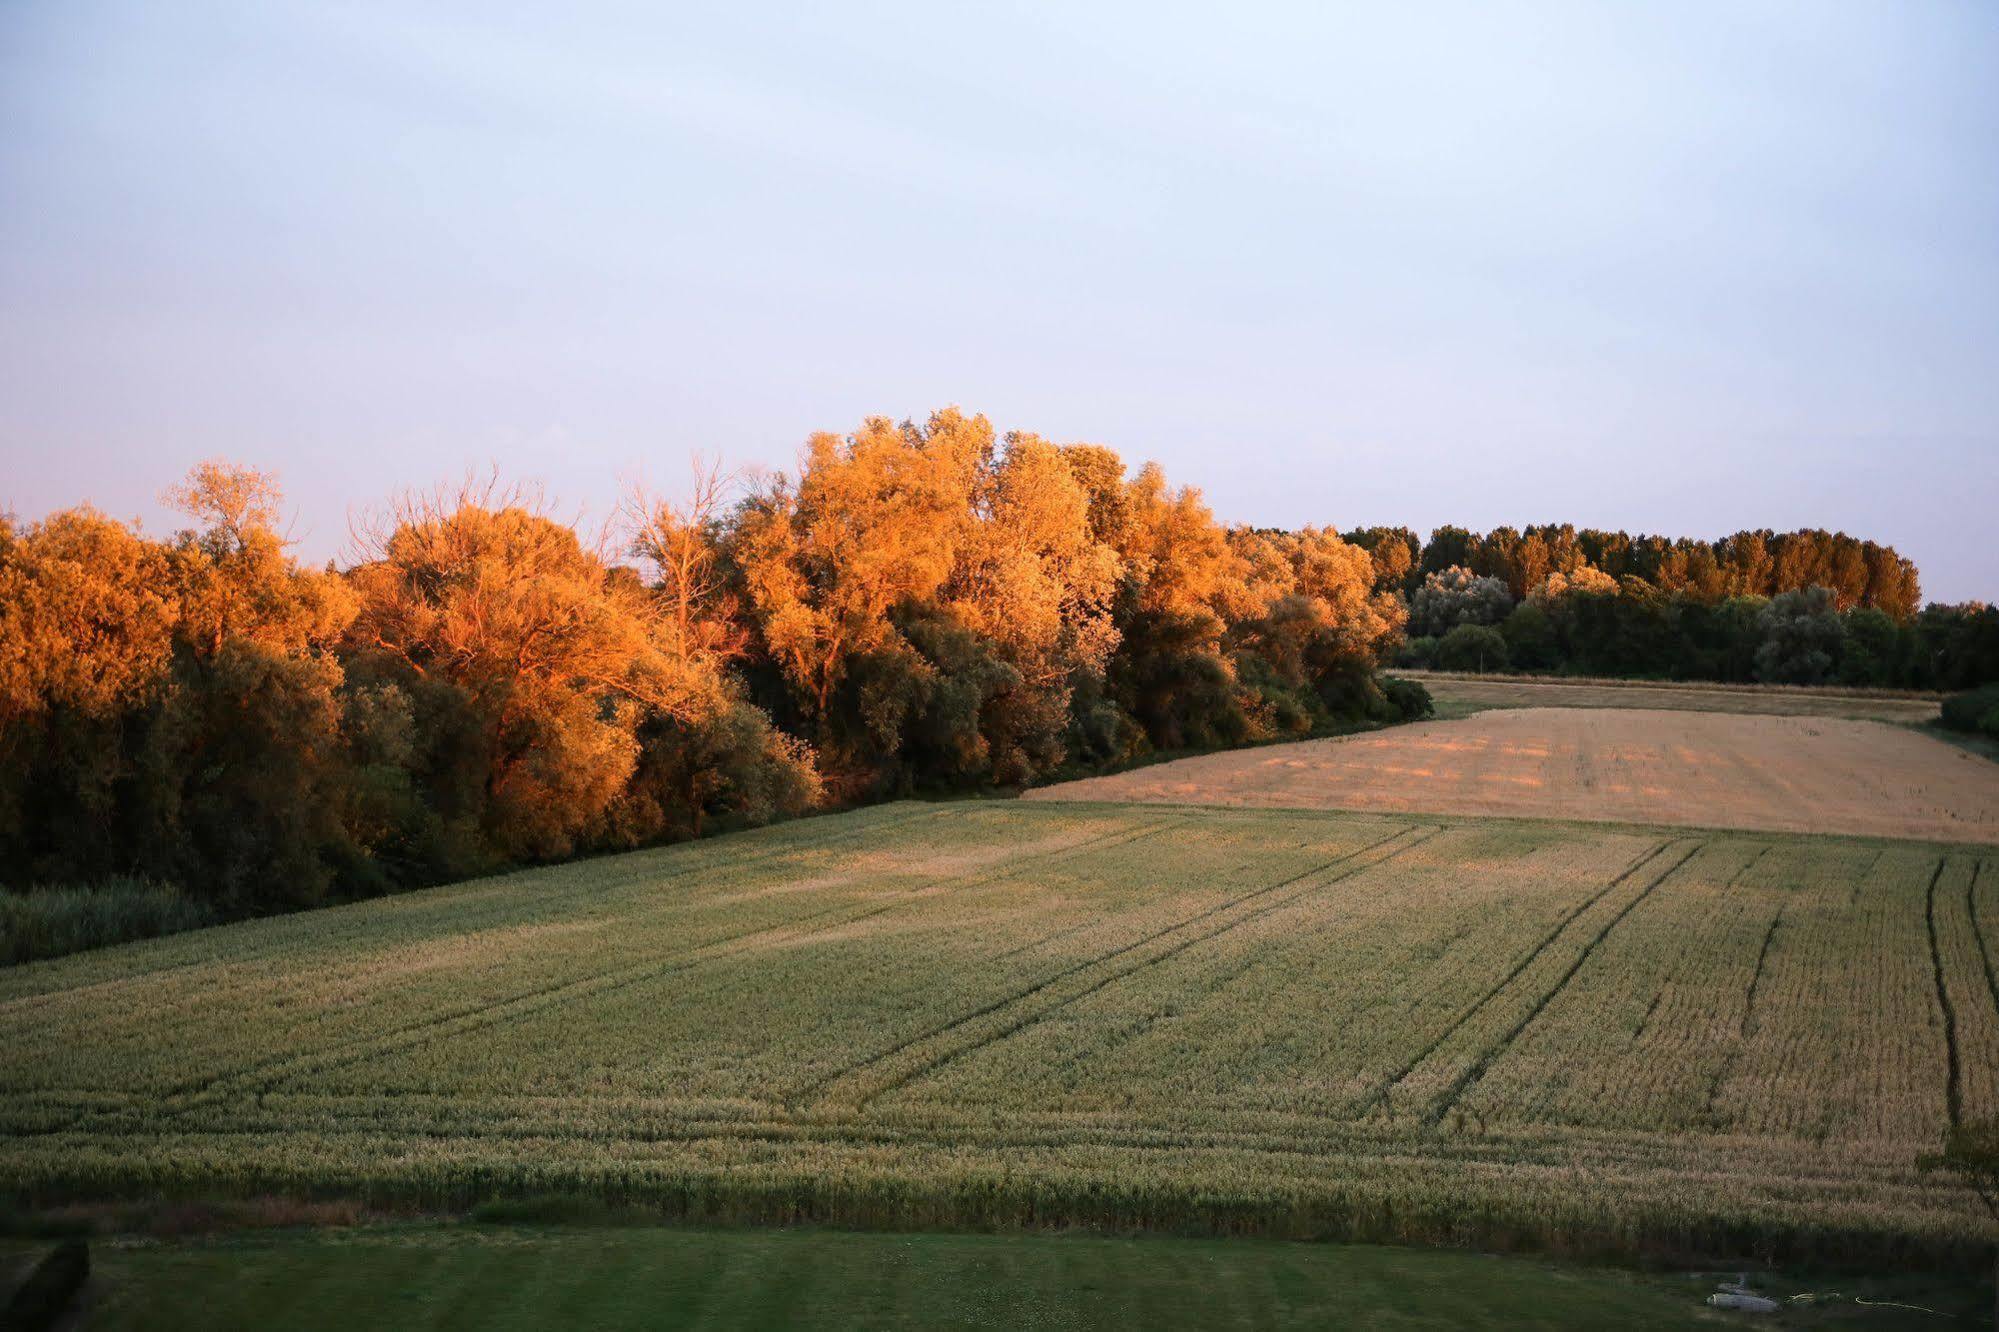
924, 606
1807, 607
1587, 624
1748, 564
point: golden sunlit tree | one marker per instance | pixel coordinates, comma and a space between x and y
875, 520
542, 657
730, 761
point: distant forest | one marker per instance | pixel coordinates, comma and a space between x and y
923, 607
1806, 607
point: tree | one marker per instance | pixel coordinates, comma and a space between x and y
1582, 579
729, 768
243, 782
1873, 647
1307, 626
1802, 637
1418, 653
1447, 548
1531, 640
1457, 596
239, 504
1956, 647
171, 709
929, 604
534, 658
1394, 550
88, 613
876, 520
1183, 578
244, 767
1179, 554
235, 580
1472, 647
1030, 574
681, 544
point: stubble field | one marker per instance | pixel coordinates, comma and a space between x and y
1688, 768
1460, 695
1596, 1037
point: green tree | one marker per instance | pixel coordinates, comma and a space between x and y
1472, 647
1457, 596
1532, 642
1872, 647
1802, 637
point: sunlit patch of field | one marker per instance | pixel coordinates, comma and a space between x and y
1291, 1023
1697, 769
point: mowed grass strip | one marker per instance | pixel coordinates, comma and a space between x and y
1291, 1023
431, 1276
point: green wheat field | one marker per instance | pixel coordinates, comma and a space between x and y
1598, 1039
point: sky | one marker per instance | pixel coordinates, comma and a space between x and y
1678, 268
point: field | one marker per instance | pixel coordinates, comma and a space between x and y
429, 1275
1695, 769
1599, 1038
1461, 695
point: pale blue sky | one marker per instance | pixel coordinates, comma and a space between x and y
1668, 267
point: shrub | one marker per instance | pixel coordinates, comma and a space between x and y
1417, 653
727, 770
1472, 647
1408, 697
49, 922
1976, 711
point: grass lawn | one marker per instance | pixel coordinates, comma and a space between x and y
434, 1275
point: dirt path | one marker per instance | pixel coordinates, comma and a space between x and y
1787, 774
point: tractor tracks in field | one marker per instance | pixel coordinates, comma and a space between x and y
270, 1073
1382, 1094
705, 858
1745, 1025
1978, 934
1750, 1021
1471, 1077
856, 1084
870, 828
1673, 972
1953, 1074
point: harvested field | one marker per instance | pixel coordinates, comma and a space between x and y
1462, 695
1695, 769
1605, 1038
